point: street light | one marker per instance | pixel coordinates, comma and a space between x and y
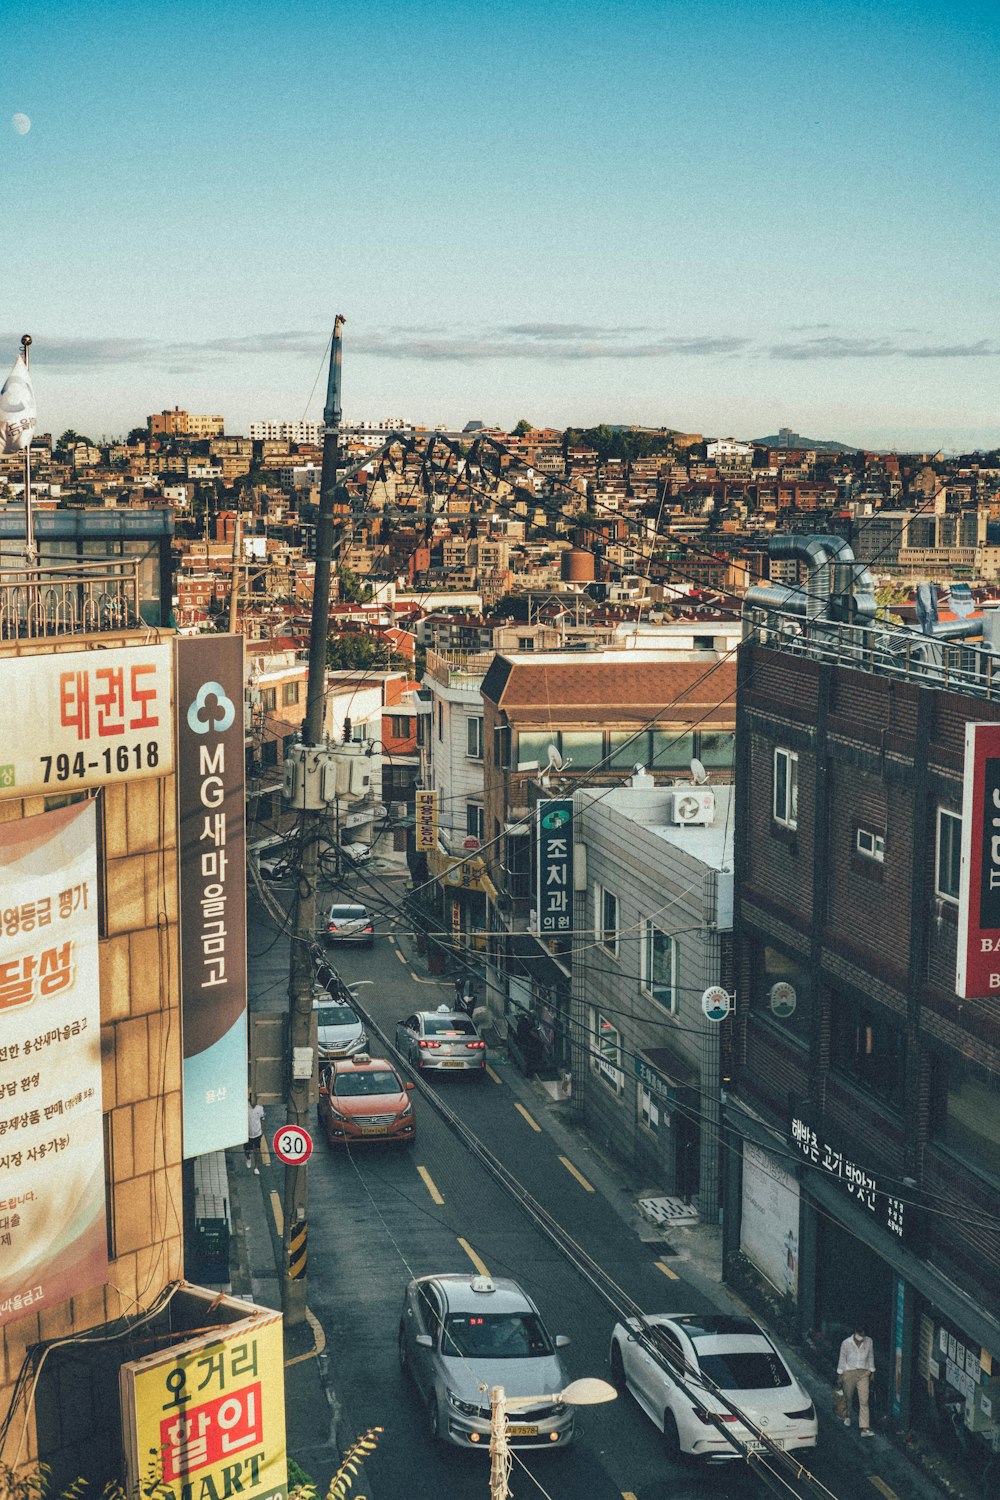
586, 1392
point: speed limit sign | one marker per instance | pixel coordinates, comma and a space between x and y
292, 1145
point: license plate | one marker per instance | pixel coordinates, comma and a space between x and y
373, 1129
754, 1445
452, 1063
521, 1429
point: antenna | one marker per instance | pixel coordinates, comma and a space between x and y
555, 759
698, 773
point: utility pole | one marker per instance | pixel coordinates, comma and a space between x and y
235, 589
293, 1289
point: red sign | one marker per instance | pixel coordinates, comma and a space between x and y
977, 973
198, 1436
292, 1145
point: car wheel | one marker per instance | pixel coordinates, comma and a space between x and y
672, 1438
404, 1358
617, 1368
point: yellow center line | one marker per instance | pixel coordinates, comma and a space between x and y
415, 977
575, 1172
428, 1182
627, 1495
882, 1487
524, 1113
666, 1270
279, 1217
401, 956
390, 937
264, 1153
495, 1076
483, 1270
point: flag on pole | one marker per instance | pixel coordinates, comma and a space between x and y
17, 409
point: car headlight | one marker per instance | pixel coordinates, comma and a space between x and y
404, 1114
467, 1408
359, 1044
336, 1114
557, 1408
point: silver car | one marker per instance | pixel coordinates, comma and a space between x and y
442, 1038
339, 1030
461, 1335
348, 923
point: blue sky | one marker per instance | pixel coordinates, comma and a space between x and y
717, 215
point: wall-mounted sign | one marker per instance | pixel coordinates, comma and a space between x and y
782, 999
856, 1181
554, 888
76, 719
716, 1003
977, 971
211, 852
426, 821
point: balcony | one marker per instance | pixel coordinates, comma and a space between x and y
63, 599
458, 668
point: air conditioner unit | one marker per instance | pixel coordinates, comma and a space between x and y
692, 806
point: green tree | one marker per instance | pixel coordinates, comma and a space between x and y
355, 652
352, 590
70, 438
523, 427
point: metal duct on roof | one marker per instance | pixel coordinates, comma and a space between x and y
836, 588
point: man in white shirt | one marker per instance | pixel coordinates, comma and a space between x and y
255, 1129
855, 1368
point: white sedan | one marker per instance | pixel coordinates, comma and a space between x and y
715, 1350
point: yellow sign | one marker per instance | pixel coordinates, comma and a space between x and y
205, 1419
467, 874
427, 821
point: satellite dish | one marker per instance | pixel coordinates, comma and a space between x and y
698, 773
555, 759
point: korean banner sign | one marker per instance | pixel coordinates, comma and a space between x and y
977, 972
211, 853
427, 821
554, 892
206, 1418
53, 1236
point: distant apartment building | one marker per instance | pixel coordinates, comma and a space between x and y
287, 432
179, 423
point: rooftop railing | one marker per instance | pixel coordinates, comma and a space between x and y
68, 599
884, 649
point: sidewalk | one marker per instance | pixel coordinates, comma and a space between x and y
311, 1409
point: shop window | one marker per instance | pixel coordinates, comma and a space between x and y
717, 751
584, 749
628, 748
606, 919
783, 993
786, 788
658, 964
290, 693
606, 1057
966, 1115
866, 1047
534, 745
949, 855
671, 752
647, 1109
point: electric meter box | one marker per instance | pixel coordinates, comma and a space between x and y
316, 775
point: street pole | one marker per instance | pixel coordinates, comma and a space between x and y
235, 588
293, 1289
500, 1461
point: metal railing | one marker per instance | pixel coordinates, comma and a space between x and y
883, 649
68, 599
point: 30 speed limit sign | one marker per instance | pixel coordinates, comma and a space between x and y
292, 1145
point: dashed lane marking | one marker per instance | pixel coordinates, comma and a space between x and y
495, 1076
483, 1269
524, 1113
414, 977
428, 1182
575, 1172
279, 1217
882, 1487
627, 1495
401, 956
265, 1154
666, 1270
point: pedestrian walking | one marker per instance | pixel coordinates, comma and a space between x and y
255, 1130
855, 1369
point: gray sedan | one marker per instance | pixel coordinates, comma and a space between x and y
461, 1335
442, 1038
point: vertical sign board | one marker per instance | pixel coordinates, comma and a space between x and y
554, 866
211, 852
206, 1418
427, 821
53, 1233
977, 973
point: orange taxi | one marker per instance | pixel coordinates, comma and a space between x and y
362, 1099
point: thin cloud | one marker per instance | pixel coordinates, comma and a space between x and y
955, 351
836, 347
510, 344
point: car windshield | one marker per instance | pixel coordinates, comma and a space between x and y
354, 1085
335, 1015
744, 1371
495, 1336
450, 1025
347, 914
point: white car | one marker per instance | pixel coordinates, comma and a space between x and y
732, 1354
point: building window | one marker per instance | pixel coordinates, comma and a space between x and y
867, 1048
474, 737
399, 726
606, 919
966, 1116
290, 693
440, 720
475, 822
647, 1109
658, 963
269, 699
501, 746
606, 1056
783, 993
871, 845
949, 855
526, 643
786, 788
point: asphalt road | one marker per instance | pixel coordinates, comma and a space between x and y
381, 1215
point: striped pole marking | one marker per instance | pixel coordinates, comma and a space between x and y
297, 1237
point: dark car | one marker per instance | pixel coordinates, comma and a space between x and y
349, 923
442, 1039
